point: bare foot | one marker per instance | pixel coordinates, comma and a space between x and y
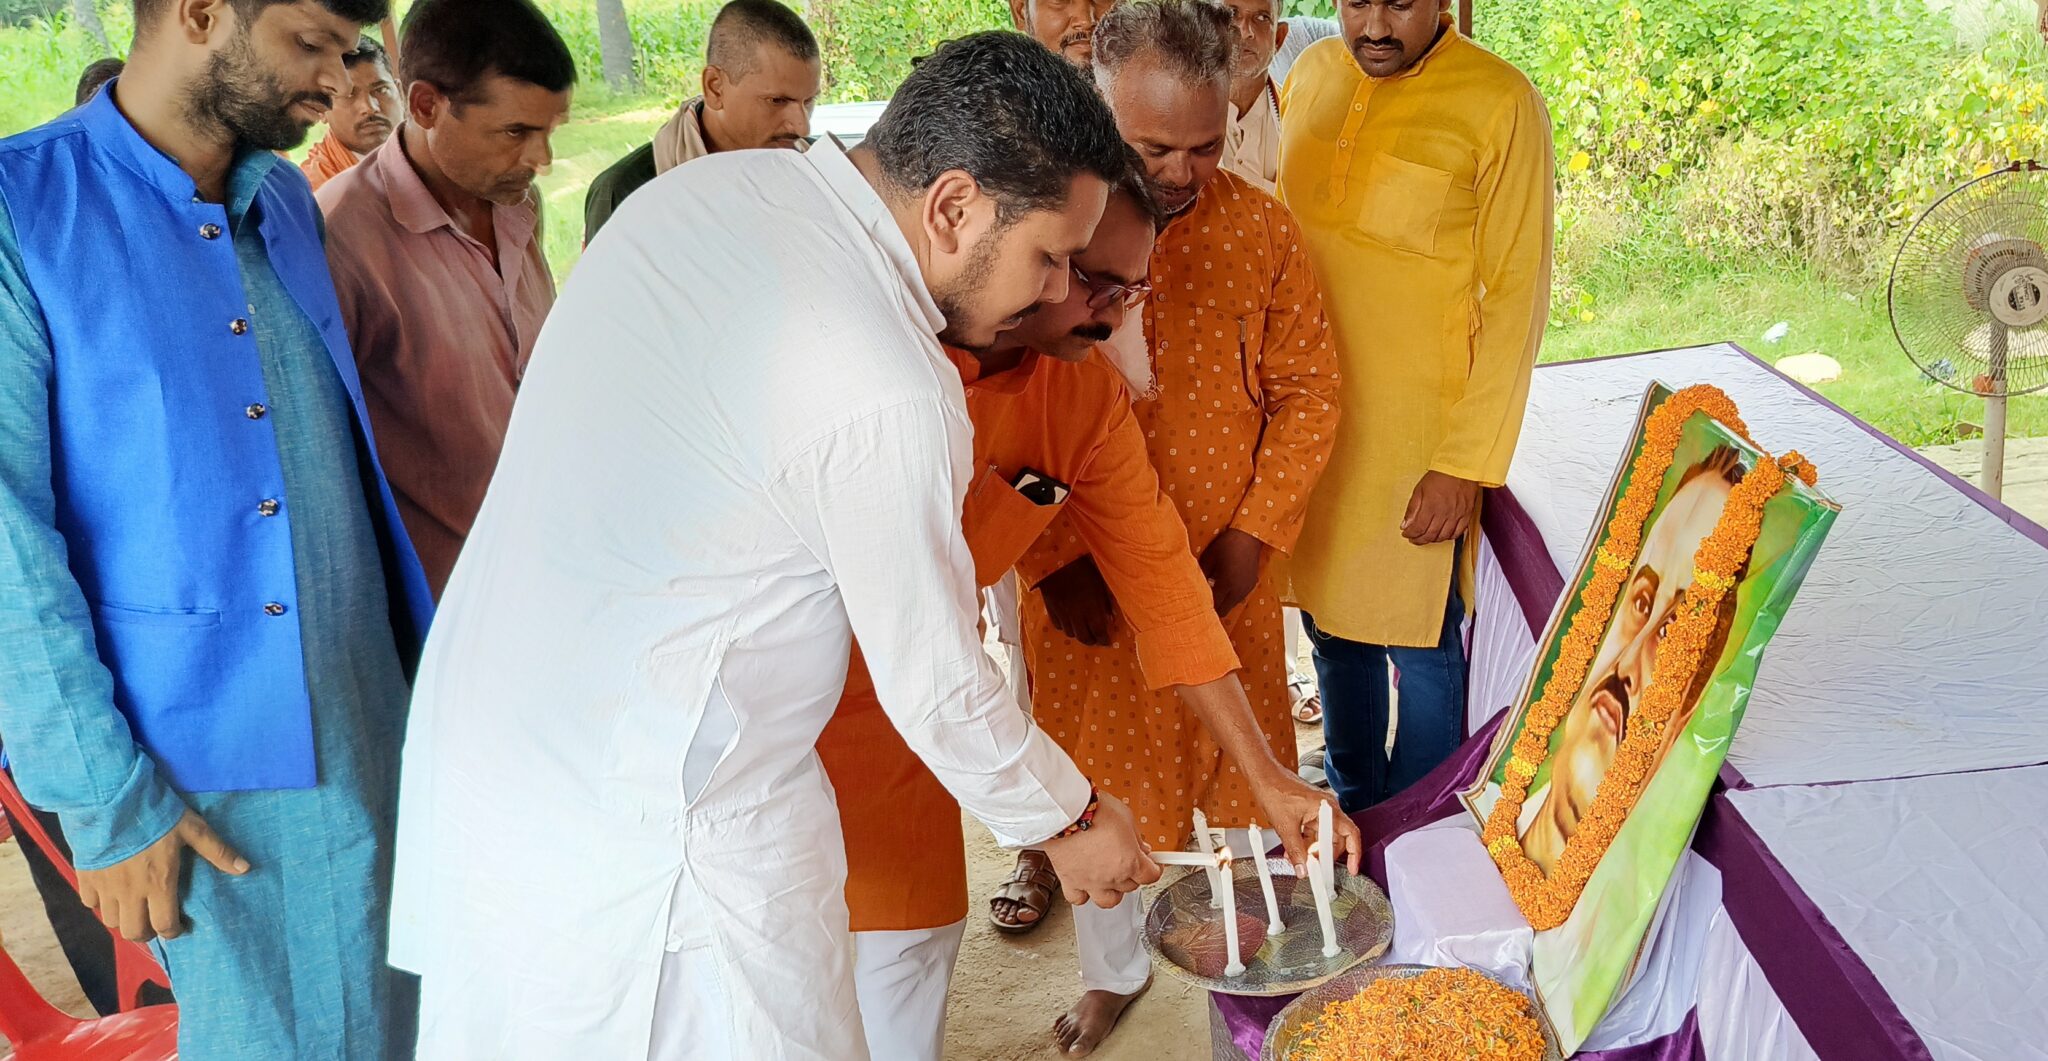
1081, 1029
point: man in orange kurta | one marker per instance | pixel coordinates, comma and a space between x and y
1063, 417
1241, 414
360, 119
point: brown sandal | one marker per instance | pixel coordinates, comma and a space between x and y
1032, 886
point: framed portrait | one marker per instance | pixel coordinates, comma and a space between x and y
1582, 965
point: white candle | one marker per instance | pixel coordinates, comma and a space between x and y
1322, 879
1186, 858
1207, 845
1274, 925
1234, 967
1321, 890
1324, 823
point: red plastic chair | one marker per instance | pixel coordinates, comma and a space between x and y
41, 1032
134, 966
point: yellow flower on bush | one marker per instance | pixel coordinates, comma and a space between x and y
1580, 162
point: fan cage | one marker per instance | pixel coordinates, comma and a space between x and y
1968, 294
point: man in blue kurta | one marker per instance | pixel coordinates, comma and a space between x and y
208, 606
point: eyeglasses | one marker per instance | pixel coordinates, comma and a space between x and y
1102, 292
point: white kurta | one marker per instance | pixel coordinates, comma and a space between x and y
738, 445
1251, 142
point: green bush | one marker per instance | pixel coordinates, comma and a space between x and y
28, 12
869, 44
668, 40
1729, 129
42, 62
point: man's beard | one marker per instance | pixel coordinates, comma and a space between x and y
1245, 66
952, 302
239, 96
511, 190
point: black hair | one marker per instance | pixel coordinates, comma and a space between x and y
456, 45
360, 12
366, 51
1193, 38
1020, 120
742, 26
99, 73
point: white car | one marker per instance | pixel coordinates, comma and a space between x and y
847, 121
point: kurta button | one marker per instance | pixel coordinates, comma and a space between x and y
240, 326
267, 507
273, 609
209, 231
255, 411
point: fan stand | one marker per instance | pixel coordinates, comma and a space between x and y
2014, 298
1992, 475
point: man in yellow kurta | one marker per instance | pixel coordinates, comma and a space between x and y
1419, 165
1239, 415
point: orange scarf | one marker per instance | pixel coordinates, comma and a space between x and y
326, 160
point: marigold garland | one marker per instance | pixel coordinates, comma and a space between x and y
1433, 1016
1548, 901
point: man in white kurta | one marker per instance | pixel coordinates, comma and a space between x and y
738, 444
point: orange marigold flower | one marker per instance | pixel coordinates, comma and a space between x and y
1433, 1016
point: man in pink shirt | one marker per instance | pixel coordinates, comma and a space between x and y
435, 244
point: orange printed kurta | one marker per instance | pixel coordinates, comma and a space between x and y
326, 161
1245, 418
906, 867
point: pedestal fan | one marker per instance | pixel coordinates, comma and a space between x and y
1969, 296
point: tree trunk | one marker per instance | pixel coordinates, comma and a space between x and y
87, 15
615, 41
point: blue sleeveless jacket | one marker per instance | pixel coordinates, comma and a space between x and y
165, 468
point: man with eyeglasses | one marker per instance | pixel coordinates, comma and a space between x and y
1239, 412
1054, 435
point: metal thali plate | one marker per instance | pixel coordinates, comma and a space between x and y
1185, 934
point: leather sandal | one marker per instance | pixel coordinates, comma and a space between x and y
1032, 886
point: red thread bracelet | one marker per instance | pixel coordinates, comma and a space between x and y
1086, 819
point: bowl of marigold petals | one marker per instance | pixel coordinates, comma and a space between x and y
1411, 1013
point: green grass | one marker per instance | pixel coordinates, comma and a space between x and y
601, 130
1846, 321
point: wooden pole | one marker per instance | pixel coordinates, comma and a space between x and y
1465, 17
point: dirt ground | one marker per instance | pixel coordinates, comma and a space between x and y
26, 935
1008, 989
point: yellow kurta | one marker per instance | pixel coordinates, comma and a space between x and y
1425, 203
1239, 433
